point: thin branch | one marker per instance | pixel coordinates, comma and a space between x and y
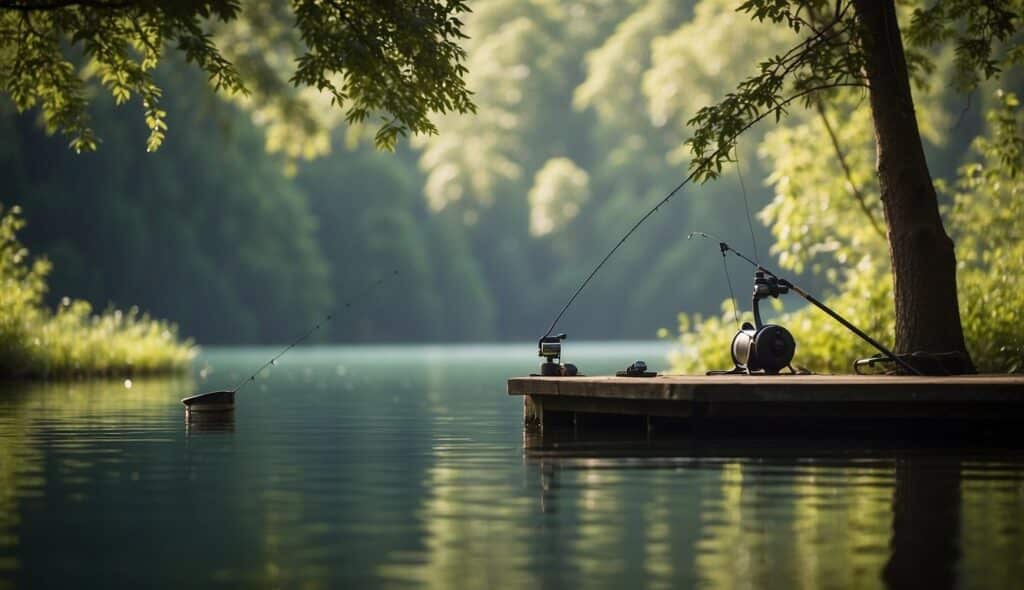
26, 19
59, 4
857, 194
963, 111
780, 108
790, 61
820, 31
143, 38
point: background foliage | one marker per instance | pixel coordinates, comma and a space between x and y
580, 124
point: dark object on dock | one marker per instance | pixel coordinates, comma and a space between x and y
637, 369
550, 349
773, 402
213, 401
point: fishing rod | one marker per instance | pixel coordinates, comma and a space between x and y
778, 347
701, 168
550, 347
273, 361
225, 399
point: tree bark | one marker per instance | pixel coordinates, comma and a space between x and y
923, 260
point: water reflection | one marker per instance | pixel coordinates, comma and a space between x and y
206, 422
992, 521
780, 513
926, 524
410, 467
59, 441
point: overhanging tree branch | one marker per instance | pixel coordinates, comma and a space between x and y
857, 194
60, 4
402, 60
816, 62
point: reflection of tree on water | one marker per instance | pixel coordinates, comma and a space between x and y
925, 524
957, 521
798, 515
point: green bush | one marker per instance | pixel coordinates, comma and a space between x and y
71, 341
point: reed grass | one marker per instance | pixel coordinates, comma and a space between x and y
71, 340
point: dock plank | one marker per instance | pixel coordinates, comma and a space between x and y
780, 388
985, 397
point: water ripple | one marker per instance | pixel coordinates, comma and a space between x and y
397, 467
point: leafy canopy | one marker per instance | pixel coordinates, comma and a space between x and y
829, 56
399, 60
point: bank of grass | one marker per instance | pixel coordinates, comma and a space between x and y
72, 341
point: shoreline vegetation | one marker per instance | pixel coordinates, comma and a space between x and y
71, 341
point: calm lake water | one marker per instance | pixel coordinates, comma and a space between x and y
409, 466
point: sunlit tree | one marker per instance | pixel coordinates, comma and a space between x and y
858, 44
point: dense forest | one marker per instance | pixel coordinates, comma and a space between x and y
490, 224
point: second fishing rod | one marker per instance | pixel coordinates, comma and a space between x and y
769, 348
224, 400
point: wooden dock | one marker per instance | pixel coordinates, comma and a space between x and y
771, 400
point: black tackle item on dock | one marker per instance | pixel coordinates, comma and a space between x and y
637, 369
550, 348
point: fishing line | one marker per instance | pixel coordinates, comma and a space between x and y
703, 165
621, 241
732, 296
362, 294
633, 229
746, 203
725, 267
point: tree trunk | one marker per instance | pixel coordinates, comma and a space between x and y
923, 260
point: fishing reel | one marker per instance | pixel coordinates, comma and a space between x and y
550, 348
760, 347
